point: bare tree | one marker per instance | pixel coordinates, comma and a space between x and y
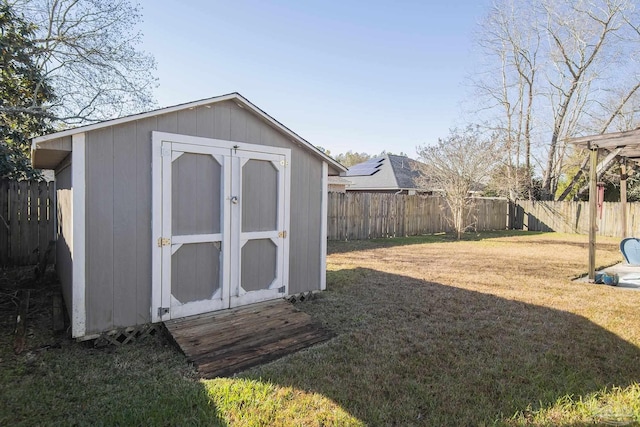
456, 166
508, 84
562, 61
88, 52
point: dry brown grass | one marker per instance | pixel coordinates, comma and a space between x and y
430, 332
467, 333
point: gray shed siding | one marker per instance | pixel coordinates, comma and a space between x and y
64, 233
118, 207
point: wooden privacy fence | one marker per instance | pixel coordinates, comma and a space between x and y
573, 217
358, 216
27, 218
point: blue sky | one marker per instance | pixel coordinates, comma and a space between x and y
349, 75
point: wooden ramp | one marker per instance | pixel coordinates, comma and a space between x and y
224, 342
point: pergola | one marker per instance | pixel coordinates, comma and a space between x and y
622, 145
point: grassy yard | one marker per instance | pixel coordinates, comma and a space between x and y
487, 331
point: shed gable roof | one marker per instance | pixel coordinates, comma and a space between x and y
48, 150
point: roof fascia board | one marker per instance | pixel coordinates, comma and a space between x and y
290, 133
121, 120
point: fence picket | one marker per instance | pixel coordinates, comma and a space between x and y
35, 195
28, 214
15, 203
4, 225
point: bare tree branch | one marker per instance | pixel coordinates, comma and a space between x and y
88, 52
565, 68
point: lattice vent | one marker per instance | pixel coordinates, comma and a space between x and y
127, 335
301, 297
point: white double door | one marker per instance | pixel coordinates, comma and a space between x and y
220, 224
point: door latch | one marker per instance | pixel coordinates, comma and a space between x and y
234, 200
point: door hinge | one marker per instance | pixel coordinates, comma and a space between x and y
163, 241
283, 234
281, 289
162, 311
284, 163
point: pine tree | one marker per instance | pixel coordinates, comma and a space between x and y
22, 95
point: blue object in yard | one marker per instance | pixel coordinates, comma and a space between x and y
630, 248
610, 279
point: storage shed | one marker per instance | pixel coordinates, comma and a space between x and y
184, 210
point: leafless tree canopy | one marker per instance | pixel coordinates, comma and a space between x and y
554, 69
459, 165
88, 52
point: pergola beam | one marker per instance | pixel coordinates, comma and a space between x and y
608, 140
604, 164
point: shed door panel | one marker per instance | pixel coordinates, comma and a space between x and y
196, 193
194, 213
261, 218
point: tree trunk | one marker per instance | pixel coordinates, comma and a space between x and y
527, 139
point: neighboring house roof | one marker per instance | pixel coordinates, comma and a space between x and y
388, 172
48, 150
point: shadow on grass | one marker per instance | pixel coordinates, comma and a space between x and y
410, 352
70, 383
340, 246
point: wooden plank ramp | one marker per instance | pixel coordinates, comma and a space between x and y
222, 343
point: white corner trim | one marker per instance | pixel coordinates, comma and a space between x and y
324, 204
286, 255
78, 219
156, 225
